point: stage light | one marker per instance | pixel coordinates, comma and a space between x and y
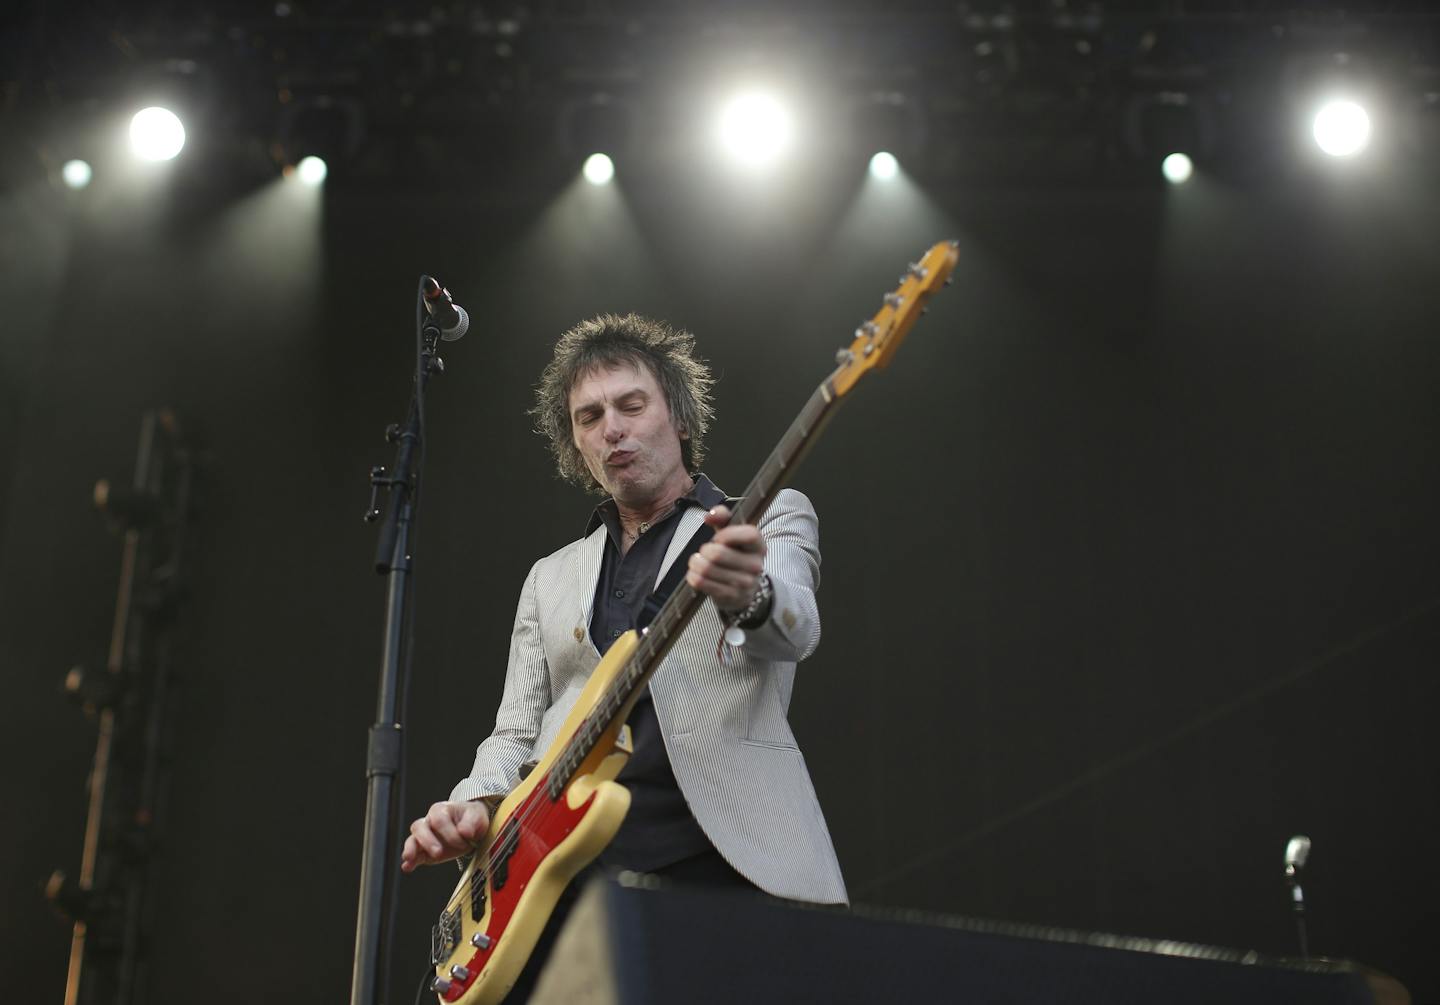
1341, 128
312, 170
884, 166
77, 174
1177, 168
599, 169
755, 129
156, 134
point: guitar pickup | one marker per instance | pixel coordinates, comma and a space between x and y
477, 893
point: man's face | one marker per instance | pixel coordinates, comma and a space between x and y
620, 422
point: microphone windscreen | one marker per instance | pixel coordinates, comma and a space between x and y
462, 325
1297, 851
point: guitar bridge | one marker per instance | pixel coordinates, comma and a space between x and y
444, 937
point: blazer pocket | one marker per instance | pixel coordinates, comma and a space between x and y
771, 745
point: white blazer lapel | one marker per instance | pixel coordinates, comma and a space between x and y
592, 549
690, 521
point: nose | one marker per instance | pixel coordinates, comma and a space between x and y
614, 428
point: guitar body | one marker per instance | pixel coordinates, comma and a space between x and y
548, 842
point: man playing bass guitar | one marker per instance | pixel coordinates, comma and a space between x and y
720, 794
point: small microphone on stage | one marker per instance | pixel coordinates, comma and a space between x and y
454, 322
1296, 852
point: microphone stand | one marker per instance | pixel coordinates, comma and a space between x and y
1297, 901
394, 559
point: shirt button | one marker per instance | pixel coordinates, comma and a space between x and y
615, 633
620, 594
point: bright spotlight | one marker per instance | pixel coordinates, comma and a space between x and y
77, 174
1177, 169
755, 129
884, 166
1341, 128
599, 169
156, 134
312, 170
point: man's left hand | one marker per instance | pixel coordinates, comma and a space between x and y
727, 568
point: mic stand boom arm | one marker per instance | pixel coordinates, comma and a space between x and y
394, 559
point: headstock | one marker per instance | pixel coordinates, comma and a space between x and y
877, 339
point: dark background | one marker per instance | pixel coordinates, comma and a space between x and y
1130, 558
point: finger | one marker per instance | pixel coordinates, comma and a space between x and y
718, 517
723, 557
729, 580
743, 577
726, 597
442, 821
411, 855
474, 821
744, 537
425, 838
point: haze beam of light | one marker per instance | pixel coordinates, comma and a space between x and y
755, 129
599, 169
156, 134
1341, 128
884, 166
1177, 168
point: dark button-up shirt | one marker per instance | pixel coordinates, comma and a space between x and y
659, 830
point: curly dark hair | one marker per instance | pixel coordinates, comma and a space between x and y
611, 340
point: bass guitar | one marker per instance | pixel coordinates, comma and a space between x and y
567, 809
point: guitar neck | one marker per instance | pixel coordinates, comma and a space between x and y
674, 617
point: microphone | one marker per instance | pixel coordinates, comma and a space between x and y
454, 322
1296, 852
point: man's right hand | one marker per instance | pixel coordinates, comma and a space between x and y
447, 831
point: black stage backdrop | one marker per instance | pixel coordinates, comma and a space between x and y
1130, 558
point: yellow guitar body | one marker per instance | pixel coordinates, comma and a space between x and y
514, 931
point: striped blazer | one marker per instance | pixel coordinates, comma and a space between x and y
723, 721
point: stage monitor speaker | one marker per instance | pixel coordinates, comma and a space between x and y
635, 941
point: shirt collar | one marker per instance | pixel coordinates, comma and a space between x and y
704, 494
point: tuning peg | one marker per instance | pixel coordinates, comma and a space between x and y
844, 356
125, 509
894, 300
917, 270
93, 692
67, 897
